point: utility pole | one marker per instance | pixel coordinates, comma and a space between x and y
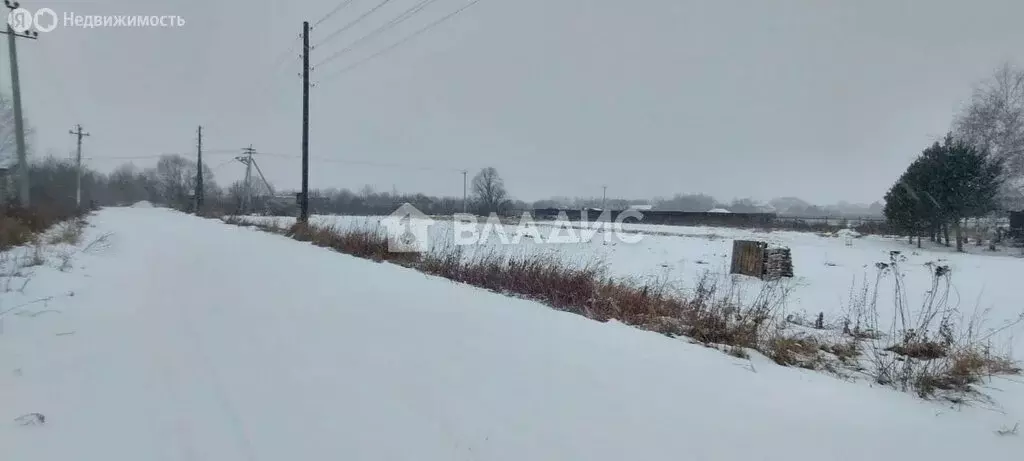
199, 170
604, 196
304, 205
78, 165
250, 162
19, 126
247, 160
464, 197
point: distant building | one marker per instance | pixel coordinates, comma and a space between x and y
641, 207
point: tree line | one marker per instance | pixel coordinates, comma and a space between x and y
976, 170
172, 183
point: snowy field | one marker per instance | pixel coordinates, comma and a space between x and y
826, 268
181, 338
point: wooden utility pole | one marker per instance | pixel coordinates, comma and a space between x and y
304, 204
604, 197
78, 165
19, 125
464, 196
199, 170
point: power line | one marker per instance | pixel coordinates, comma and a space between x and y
405, 166
390, 165
137, 157
394, 22
350, 24
401, 42
332, 12
152, 156
367, 163
222, 164
284, 56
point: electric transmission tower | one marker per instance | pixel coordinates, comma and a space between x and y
247, 158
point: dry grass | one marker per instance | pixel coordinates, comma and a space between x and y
35, 257
921, 350
846, 351
364, 243
69, 232
13, 232
927, 350
65, 257
710, 315
793, 350
737, 352
19, 226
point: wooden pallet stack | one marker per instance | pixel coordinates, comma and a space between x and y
778, 263
748, 258
756, 259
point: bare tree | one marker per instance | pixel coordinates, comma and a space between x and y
994, 121
127, 185
9, 145
489, 190
235, 195
173, 172
176, 180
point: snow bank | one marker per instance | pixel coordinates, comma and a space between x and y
142, 204
847, 233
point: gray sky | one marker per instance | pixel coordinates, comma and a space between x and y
823, 99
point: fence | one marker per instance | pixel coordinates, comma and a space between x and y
673, 218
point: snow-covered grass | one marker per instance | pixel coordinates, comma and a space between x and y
829, 269
716, 311
186, 338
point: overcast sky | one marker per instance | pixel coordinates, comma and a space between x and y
823, 99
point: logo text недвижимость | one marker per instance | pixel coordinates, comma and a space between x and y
21, 20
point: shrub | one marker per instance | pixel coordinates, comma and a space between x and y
69, 232
18, 225
13, 232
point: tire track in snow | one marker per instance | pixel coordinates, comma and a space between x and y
199, 356
158, 341
208, 371
168, 374
179, 353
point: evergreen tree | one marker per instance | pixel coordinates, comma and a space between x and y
945, 184
966, 182
909, 207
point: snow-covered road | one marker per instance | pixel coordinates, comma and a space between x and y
189, 339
